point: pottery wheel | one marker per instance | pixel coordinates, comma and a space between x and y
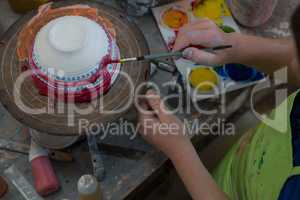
61, 118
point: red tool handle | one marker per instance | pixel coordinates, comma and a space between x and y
45, 179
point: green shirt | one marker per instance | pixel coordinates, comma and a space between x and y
257, 167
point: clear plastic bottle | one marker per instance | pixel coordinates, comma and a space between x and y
252, 13
89, 188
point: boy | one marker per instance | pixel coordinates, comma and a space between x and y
264, 163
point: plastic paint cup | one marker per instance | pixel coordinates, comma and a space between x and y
174, 18
239, 72
204, 79
227, 29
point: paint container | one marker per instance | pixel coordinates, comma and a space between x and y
209, 9
252, 13
89, 188
174, 18
3, 187
204, 79
45, 179
227, 29
239, 72
23, 6
220, 71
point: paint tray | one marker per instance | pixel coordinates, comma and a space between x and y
230, 77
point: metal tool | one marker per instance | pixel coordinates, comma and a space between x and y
98, 166
21, 184
165, 66
15, 147
178, 54
108, 149
121, 152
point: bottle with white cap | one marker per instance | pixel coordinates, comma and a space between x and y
89, 188
45, 180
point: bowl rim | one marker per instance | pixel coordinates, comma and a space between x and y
113, 69
83, 71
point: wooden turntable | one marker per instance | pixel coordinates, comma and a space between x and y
60, 118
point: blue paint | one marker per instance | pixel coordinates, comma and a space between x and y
220, 71
239, 72
258, 76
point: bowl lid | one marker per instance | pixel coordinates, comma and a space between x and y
71, 44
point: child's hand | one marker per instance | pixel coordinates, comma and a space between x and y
204, 33
165, 131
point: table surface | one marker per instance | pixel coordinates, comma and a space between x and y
128, 163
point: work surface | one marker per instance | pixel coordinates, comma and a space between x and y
129, 164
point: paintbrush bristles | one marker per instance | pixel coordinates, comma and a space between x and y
128, 59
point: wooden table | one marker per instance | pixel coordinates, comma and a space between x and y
131, 165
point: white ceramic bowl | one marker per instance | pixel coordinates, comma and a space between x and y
72, 47
113, 70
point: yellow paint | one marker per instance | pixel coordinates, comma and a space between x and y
204, 79
225, 9
174, 18
212, 9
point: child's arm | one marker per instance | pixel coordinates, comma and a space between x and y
268, 55
194, 175
166, 132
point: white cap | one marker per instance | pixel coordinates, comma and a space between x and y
87, 185
36, 151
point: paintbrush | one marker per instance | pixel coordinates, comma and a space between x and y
177, 54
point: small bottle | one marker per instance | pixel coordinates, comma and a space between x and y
252, 13
45, 179
89, 188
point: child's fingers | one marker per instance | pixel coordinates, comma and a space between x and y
200, 57
157, 104
194, 37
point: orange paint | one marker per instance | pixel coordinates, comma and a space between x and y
174, 18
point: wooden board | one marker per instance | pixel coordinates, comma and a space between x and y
131, 43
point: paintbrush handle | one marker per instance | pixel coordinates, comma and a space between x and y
161, 55
178, 54
221, 47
